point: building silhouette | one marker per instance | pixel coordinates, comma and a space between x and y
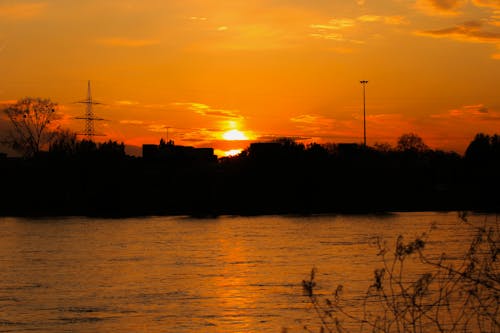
169, 152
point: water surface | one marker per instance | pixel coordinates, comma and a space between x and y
178, 274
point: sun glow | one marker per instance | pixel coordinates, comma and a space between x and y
234, 135
232, 152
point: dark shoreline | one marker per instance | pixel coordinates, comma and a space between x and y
267, 179
227, 214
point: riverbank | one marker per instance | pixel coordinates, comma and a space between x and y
308, 182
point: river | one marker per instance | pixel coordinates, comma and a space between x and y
179, 274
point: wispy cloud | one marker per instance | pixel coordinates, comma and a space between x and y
22, 11
440, 7
131, 122
332, 29
335, 29
471, 31
477, 112
126, 102
445, 4
494, 19
150, 126
487, 3
128, 42
329, 36
335, 24
454, 128
254, 36
198, 18
317, 127
391, 20
478, 108
157, 128
312, 120
206, 110
198, 135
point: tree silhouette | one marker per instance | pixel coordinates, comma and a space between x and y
31, 120
64, 144
495, 145
383, 147
479, 150
411, 142
112, 149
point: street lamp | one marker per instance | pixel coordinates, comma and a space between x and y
364, 82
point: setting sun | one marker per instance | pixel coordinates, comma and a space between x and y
232, 152
207, 72
234, 135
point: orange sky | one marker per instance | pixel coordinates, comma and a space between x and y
260, 68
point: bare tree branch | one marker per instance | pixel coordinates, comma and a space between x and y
32, 124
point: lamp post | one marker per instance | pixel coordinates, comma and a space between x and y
363, 83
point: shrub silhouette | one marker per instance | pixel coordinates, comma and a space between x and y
446, 298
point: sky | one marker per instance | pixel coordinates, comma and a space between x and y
222, 74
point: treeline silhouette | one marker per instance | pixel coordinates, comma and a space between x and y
281, 177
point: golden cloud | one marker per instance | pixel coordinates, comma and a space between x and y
132, 122
206, 110
200, 135
20, 11
332, 30
471, 31
472, 112
391, 20
316, 120
316, 126
252, 37
335, 24
158, 128
440, 7
328, 36
487, 3
127, 103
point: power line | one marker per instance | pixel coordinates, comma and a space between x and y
89, 116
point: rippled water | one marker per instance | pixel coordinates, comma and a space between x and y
176, 274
